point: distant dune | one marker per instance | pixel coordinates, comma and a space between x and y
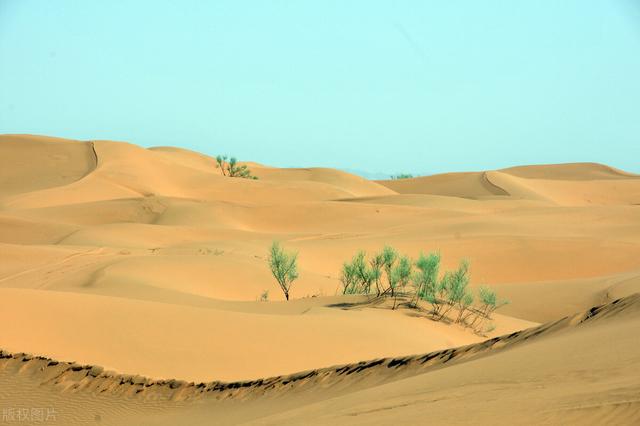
149, 263
559, 184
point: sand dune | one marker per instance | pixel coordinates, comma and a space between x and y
559, 184
380, 391
572, 171
30, 163
182, 341
466, 185
149, 262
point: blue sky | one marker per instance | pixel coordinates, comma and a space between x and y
389, 86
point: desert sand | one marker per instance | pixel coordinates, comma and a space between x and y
130, 280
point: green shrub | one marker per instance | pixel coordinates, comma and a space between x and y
388, 259
358, 275
402, 176
489, 301
425, 280
464, 305
453, 289
363, 275
443, 294
349, 279
376, 264
232, 169
284, 267
400, 277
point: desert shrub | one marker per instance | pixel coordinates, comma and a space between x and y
349, 279
284, 267
451, 292
358, 275
230, 167
402, 176
431, 289
453, 288
464, 305
376, 263
400, 276
488, 298
425, 280
489, 301
388, 257
366, 274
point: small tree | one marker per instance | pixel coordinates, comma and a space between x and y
388, 259
454, 286
428, 286
400, 277
349, 279
284, 267
425, 281
488, 304
489, 300
464, 305
376, 263
365, 275
232, 169
221, 163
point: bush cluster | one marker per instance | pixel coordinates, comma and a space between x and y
402, 176
391, 274
388, 273
230, 167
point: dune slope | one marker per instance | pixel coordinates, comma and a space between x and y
516, 375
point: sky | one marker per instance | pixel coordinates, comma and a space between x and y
380, 86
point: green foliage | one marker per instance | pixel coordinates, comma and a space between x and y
358, 275
399, 277
349, 279
402, 176
467, 300
425, 281
376, 263
401, 273
450, 292
364, 275
230, 167
284, 267
464, 305
388, 258
488, 297
489, 301
457, 282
